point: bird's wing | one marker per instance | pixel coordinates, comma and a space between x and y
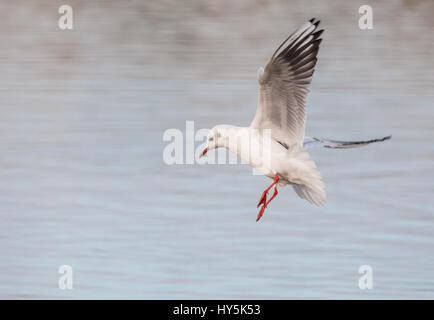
284, 84
321, 142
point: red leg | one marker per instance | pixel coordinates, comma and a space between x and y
261, 212
263, 199
272, 197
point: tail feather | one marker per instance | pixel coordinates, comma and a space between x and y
316, 196
305, 177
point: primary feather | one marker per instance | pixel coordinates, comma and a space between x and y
284, 85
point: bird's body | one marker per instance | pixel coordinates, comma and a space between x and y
275, 143
292, 164
249, 146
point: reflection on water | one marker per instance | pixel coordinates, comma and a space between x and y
82, 181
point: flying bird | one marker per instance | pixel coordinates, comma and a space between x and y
275, 143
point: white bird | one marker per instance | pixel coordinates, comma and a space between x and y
275, 143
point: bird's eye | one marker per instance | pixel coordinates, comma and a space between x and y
211, 139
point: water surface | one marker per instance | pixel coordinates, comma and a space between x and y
82, 177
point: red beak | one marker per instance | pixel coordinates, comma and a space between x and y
204, 152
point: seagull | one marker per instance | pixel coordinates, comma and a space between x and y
275, 143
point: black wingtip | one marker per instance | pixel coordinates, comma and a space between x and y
317, 34
315, 23
379, 139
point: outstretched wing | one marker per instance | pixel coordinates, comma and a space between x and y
321, 142
284, 84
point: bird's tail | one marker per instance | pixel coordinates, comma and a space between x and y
320, 142
305, 177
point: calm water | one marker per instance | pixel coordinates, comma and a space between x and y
83, 182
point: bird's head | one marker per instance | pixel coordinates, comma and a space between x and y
212, 140
218, 137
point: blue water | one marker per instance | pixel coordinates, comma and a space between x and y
83, 181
